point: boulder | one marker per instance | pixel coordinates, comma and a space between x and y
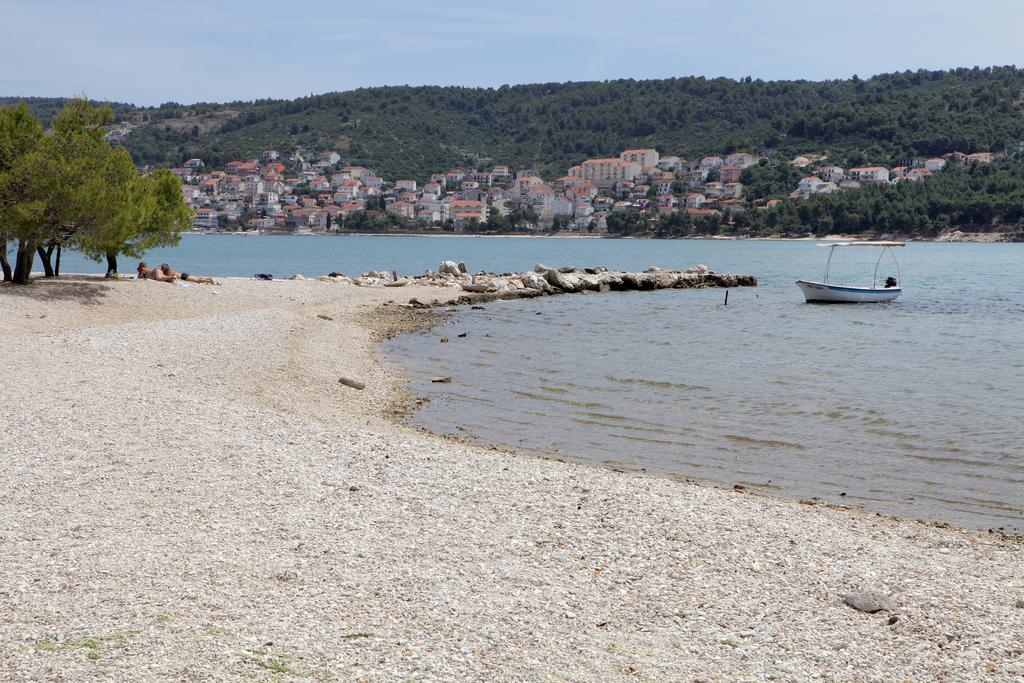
534, 281
397, 283
568, 283
540, 268
462, 267
449, 268
296, 277
479, 287
354, 383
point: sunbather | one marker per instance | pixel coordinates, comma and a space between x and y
185, 277
164, 273
147, 273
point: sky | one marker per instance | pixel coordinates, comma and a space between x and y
190, 51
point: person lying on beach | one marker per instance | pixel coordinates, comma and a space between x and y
147, 273
185, 277
164, 273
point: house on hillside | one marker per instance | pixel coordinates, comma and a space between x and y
646, 158
730, 173
869, 174
740, 159
830, 174
809, 184
205, 219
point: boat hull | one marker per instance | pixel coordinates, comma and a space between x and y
819, 292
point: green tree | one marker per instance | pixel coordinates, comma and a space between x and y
20, 132
72, 189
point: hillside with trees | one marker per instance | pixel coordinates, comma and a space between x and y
414, 131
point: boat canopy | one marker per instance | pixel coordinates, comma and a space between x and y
862, 244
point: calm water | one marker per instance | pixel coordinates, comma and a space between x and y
910, 408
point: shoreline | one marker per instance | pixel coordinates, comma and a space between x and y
434, 317
952, 237
259, 517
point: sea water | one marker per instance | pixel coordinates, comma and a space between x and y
911, 408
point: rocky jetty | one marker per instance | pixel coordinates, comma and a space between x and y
544, 280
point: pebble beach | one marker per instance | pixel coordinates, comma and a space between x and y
189, 493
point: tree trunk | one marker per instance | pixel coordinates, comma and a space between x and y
56, 266
44, 256
23, 263
3, 260
111, 264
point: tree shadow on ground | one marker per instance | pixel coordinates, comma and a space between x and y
82, 290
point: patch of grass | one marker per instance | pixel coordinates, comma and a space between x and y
92, 644
730, 642
219, 631
355, 636
164, 618
48, 645
279, 664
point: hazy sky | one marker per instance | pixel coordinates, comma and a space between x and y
217, 50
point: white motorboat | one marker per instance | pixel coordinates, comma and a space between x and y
829, 292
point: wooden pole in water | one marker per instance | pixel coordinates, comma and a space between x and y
727, 297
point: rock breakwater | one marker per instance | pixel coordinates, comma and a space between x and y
544, 280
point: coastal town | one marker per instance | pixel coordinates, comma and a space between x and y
316, 191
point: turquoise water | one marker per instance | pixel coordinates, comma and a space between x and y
911, 408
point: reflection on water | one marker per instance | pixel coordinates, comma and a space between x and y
911, 408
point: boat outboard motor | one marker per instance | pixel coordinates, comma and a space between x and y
890, 282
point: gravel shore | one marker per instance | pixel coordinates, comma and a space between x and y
188, 493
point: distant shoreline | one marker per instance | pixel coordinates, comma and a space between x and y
955, 237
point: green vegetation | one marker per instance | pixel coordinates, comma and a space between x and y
984, 198
68, 188
91, 644
414, 131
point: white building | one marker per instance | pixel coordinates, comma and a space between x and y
831, 174
741, 159
647, 158
870, 174
809, 184
605, 173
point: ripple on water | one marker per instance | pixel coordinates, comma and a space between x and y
907, 409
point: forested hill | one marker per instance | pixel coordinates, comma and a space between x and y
413, 131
